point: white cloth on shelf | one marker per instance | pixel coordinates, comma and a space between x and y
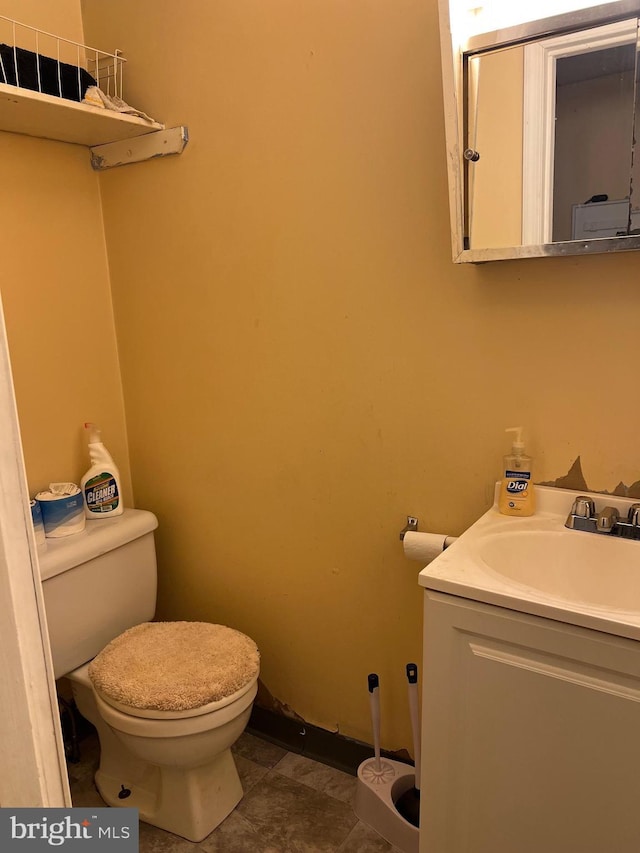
95, 97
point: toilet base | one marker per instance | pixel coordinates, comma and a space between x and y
190, 804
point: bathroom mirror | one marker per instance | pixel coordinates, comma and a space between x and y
540, 121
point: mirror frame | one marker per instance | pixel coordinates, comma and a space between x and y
454, 57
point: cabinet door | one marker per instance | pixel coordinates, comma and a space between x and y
531, 734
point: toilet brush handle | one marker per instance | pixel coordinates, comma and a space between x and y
412, 678
374, 702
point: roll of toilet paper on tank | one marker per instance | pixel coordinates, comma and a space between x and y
62, 510
424, 547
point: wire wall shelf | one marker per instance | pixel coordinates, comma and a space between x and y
56, 88
40, 61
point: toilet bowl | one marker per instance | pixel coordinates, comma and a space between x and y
166, 724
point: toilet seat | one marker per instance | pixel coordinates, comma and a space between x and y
175, 670
169, 724
153, 714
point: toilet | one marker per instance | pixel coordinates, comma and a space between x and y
168, 699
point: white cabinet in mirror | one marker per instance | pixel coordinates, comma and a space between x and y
540, 122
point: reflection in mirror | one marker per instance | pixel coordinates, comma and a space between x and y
551, 124
593, 143
634, 193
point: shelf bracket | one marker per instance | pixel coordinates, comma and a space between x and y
160, 143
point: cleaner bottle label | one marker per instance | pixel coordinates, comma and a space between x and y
101, 493
517, 482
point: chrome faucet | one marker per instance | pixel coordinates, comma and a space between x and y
583, 516
607, 519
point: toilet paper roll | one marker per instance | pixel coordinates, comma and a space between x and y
62, 510
424, 547
38, 524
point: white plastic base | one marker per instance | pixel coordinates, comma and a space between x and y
376, 793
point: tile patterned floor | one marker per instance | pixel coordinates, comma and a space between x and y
291, 804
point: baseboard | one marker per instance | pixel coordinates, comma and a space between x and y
330, 748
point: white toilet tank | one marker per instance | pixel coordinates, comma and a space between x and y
97, 584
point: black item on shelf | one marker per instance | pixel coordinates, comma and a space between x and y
56, 78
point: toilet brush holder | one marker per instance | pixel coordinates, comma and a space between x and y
380, 785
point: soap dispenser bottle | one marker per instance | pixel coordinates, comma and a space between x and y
101, 484
517, 494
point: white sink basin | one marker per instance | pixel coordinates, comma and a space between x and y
536, 565
597, 569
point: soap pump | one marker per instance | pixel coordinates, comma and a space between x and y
517, 494
101, 484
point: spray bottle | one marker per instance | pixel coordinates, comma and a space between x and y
101, 484
517, 495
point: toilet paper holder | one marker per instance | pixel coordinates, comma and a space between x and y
412, 524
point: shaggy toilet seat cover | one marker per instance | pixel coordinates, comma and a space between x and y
175, 666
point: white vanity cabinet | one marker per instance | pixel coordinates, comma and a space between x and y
530, 734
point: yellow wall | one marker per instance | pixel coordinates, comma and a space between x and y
55, 291
302, 364
61, 17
